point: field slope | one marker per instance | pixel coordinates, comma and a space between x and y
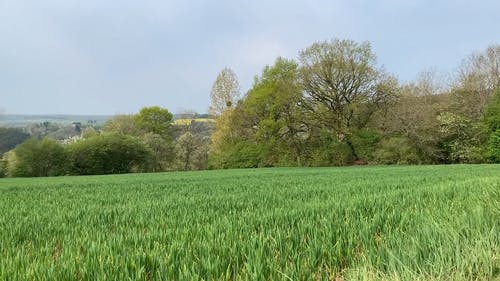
355, 223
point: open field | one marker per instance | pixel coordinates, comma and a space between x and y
355, 223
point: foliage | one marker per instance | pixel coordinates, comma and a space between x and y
89, 133
37, 158
191, 152
162, 154
492, 123
365, 142
462, 138
268, 119
327, 150
122, 124
3, 168
10, 137
492, 116
107, 154
493, 148
155, 120
333, 106
396, 150
225, 92
343, 86
229, 133
368, 223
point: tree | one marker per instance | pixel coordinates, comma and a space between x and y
461, 139
492, 116
10, 137
230, 145
122, 124
265, 127
185, 150
396, 150
162, 153
88, 132
493, 148
272, 109
492, 122
225, 92
412, 116
343, 86
479, 77
155, 120
37, 158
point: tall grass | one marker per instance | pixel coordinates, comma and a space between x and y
369, 223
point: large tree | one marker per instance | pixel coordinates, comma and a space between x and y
272, 108
343, 87
479, 77
225, 92
266, 128
122, 124
155, 120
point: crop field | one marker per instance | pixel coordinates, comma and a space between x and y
352, 223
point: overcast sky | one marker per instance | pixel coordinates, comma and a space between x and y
109, 57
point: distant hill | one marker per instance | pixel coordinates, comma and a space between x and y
21, 120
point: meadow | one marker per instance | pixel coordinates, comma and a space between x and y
350, 223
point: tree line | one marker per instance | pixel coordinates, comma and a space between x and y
332, 106
148, 141
336, 106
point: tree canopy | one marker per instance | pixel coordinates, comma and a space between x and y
225, 92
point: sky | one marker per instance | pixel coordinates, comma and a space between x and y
114, 57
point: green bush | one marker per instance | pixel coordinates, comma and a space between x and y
329, 151
107, 154
492, 114
396, 150
3, 168
365, 143
493, 149
36, 158
243, 154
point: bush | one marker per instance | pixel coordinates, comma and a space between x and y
365, 143
36, 158
329, 151
107, 154
3, 168
243, 154
493, 149
396, 150
492, 114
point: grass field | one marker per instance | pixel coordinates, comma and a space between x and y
354, 223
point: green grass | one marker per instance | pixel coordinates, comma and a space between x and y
356, 223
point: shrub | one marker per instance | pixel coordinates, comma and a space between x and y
243, 154
365, 143
107, 154
36, 158
327, 150
3, 168
493, 149
396, 150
